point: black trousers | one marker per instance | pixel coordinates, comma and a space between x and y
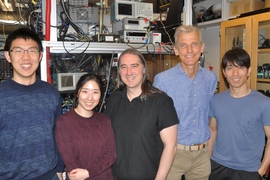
219, 172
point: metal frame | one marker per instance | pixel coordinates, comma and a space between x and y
93, 47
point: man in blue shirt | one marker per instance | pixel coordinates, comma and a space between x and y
191, 87
28, 110
240, 120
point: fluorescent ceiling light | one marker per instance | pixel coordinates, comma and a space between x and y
98, 3
12, 22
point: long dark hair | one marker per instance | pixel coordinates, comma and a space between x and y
84, 79
146, 86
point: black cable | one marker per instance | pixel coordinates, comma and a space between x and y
153, 52
134, 47
64, 26
77, 54
168, 48
65, 9
108, 81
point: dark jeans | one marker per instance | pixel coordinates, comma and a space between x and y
118, 178
219, 172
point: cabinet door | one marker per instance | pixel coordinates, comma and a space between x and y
234, 34
261, 52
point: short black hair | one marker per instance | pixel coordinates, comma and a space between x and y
237, 57
22, 33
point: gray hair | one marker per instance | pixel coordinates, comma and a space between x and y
187, 29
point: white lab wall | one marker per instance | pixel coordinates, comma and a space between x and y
211, 39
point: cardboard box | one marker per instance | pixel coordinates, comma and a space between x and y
244, 6
267, 3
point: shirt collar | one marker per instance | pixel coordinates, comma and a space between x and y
124, 94
180, 70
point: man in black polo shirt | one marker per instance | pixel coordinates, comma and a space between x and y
144, 122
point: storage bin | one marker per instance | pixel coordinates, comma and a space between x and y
244, 6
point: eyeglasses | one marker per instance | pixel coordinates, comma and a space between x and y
33, 51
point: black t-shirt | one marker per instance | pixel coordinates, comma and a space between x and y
137, 126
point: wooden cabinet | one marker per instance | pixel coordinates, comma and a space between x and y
250, 33
261, 24
158, 63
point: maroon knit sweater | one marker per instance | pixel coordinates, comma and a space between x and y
86, 143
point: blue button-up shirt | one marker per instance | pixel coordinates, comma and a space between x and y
191, 100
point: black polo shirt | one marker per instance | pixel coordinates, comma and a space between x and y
137, 126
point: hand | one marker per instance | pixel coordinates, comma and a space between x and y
60, 176
260, 173
78, 174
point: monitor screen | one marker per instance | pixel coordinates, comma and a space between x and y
124, 9
67, 81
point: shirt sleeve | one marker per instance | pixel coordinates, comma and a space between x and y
211, 108
214, 83
64, 143
167, 115
266, 112
60, 164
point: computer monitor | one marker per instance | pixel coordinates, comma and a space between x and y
156, 5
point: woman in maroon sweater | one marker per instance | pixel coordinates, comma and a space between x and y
84, 137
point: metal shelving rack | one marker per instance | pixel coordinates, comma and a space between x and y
94, 47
